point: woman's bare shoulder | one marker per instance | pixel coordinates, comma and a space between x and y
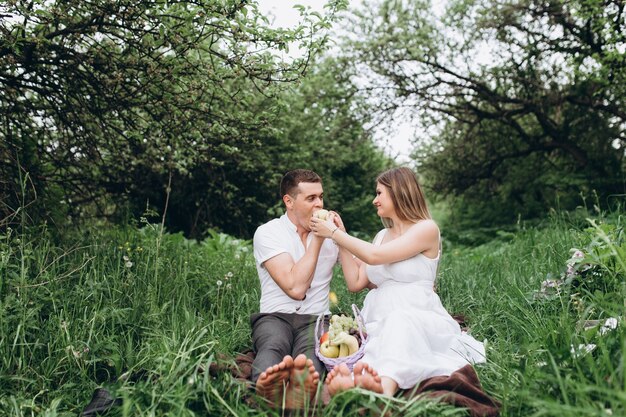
426, 228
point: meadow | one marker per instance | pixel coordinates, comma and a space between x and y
143, 313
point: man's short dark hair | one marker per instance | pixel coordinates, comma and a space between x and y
290, 181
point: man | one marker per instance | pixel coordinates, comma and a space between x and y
295, 269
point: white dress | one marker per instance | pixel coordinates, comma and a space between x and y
411, 335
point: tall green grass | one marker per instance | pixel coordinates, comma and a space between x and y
144, 315
530, 335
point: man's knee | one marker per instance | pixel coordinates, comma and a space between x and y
271, 334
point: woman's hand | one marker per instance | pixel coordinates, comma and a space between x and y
324, 228
337, 220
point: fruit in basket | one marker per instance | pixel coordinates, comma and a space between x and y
350, 343
343, 350
324, 337
321, 214
340, 324
357, 334
328, 350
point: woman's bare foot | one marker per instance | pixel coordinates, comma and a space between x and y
272, 383
339, 379
367, 378
303, 380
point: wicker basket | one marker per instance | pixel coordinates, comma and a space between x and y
351, 360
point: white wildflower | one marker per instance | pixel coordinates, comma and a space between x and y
582, 349
219, 283
609, 324
551, 284
576, 256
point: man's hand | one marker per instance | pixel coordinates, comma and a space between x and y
295, 278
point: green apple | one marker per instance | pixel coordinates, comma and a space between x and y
329, 350
321, 214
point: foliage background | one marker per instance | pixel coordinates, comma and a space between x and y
114, 110
141, 143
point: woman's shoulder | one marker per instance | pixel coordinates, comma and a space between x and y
379, 236
426, 228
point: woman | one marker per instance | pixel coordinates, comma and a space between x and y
411, 335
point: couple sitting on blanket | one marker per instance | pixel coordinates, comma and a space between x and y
411, 335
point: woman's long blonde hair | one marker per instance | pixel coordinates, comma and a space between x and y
406, 195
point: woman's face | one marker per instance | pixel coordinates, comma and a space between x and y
382, 201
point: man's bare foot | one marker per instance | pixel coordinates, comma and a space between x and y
272, 383
303, 380
339, 379
367, 378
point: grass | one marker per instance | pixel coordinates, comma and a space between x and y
157, 310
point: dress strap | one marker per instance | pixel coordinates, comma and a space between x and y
440, 245
438, 261
379, 237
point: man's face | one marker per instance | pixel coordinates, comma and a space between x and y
308, 200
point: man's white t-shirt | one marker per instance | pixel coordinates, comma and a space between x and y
280, 236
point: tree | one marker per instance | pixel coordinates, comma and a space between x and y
325, 129
319, 125
543, 117
101, 99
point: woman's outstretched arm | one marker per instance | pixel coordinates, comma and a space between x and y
419, 238
353, 269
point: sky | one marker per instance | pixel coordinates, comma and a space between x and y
282, 14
